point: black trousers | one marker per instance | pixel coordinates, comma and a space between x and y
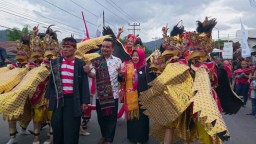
65, 126
107, 123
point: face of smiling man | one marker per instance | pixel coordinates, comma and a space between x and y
107, 48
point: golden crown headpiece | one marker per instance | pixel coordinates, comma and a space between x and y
36, 42
202, 39
50, 43
176, 40
22, 47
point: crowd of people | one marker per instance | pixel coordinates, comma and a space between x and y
178, 87
242, 78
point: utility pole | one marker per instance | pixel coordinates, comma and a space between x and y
155, 38
134, 25
218, 37
103, 19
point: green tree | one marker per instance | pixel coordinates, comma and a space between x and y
15, 33
148, 51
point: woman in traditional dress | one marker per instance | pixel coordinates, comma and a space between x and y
136, 77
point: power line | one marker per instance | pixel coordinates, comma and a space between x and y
5, 27
26, 17
21, 11
87, 10
114, 7
68, 12
83, 8
75, 29
134, 25
111, 11
123, 11
34, 20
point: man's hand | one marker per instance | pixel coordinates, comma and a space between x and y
84, 107
119, 70
121, 29
165, 29
11, 66
87, 68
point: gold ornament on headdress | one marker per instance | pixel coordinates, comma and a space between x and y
174, 42
23, 52
51, 46
201, 42
36, 47
22, 47
157, 62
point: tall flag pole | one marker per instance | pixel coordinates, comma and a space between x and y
85, 26
103, 19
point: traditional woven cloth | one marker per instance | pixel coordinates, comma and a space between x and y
4, 69
12, 103
103, 83
11, 78
131, 94
206, 108
169, 95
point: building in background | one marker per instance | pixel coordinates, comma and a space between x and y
3, 35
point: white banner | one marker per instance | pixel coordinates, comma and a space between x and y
227, 52
246, 52
99, 28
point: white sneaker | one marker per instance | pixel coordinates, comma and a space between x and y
24, 132
46, 142
13, 140
85, 133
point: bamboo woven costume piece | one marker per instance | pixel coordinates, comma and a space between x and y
10, 76
191, 110
3, 69
13, 102
169, 96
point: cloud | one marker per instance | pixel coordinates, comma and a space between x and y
151, 15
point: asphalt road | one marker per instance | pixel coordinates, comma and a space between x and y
242, 128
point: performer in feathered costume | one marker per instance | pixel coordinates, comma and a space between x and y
52, 50
41, 48
180, 98
14, 73
173, 70
14, 103
201, 45
10, 79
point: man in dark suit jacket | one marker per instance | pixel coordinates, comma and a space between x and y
68, 94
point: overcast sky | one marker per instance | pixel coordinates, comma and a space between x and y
151, 14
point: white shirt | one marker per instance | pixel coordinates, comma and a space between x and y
113, 64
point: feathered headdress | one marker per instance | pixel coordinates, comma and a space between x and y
23, 49
51, 46
175, 42
37, 48
201, 41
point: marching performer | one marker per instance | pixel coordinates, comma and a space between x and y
180, 99
23, 52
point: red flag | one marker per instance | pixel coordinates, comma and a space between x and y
86, 29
